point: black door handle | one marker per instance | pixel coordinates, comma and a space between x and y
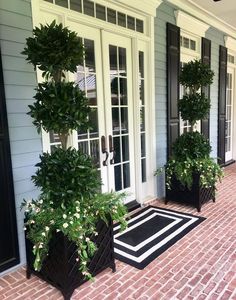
111, 149
104, 150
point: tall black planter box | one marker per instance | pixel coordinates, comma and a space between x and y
61, 269
196, 196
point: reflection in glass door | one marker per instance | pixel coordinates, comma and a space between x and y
229, 115
88, 141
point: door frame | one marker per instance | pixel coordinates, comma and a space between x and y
42, 10
230, 156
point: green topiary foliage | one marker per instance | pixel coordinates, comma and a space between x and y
195, 75
65, 176
60, 107
191, 145
194, 107
54, 50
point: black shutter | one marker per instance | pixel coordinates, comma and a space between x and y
173, 68
9, 252
206, 59
222, 104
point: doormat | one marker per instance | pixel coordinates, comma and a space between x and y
150, 232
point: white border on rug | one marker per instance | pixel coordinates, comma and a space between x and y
160, 244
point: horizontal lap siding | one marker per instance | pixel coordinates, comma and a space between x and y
164, 14
20, 81
217, 39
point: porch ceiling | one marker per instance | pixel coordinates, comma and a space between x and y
224, 9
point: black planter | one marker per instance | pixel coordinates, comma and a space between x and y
61, 269
196, 196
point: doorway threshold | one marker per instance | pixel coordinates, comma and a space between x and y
132, 205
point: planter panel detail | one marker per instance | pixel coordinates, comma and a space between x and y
61, 269
196, 196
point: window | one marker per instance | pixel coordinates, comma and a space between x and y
103, 13
188, 43
231, 59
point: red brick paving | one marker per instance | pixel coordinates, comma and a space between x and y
202, 265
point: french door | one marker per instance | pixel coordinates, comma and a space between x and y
106, 78
229, 115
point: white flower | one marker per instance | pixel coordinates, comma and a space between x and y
52, 222
41, 201
32, 221
43, 234
84, 263
85, 273
25, 228
95, 233
64, 216
40, 246
65, 225
77, 215
71, 222
77, 259
87, 239
57, 230
47, 228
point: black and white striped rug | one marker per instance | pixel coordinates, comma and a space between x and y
150, 232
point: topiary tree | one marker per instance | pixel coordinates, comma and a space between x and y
69, 182
191, 150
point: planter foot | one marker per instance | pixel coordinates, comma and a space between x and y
28, 273
67, 297
113, 267
166, 201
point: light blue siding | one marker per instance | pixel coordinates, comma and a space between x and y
20, 81
165, 14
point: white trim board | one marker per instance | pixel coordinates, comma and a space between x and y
230, 43
205, 16
190, 24
148, 7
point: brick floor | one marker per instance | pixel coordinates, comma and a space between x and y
202, 265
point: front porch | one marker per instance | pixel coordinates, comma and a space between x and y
202, 265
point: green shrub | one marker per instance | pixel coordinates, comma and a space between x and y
195, 75
66, 175
54, 50
60, 107
191, 145
194, 107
